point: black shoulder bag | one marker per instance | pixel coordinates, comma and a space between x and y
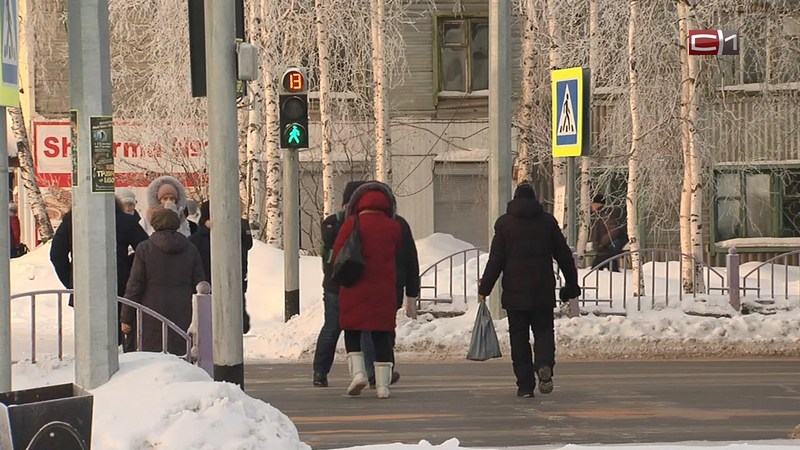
349, 264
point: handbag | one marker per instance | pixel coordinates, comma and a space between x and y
349, 264
484, 344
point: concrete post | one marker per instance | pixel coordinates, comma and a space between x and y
732, 263
223, 157
94, 270
291, 234
499, 123
5, 282
202, 325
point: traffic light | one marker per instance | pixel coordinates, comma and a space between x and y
293, 104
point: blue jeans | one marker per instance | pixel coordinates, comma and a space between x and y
328, 335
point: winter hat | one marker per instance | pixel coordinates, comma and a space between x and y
525, 190
205, 213
125, 195
599, 199
165, 220
349, 188
12, 208
166, 188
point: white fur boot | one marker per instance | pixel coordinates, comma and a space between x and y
355, 362
383, 378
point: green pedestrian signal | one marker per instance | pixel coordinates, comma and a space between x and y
295, 135
293, 107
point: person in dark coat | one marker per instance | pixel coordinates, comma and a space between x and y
166, 270
202, 240
370, 304
526, 240
608, 235
129, 235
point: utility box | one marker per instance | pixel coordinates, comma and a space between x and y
50, 417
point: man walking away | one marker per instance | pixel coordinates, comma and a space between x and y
526, 240
329, 334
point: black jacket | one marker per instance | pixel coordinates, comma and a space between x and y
526, 240
202, 240
407, 258
129, 234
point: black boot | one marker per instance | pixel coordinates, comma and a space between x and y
320, 379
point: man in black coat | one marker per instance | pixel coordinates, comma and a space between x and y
202, 240
129, 234
526, 240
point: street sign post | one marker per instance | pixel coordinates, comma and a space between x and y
571, 131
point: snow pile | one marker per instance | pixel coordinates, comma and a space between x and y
160, 401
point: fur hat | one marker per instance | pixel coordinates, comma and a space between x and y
525, 190
165, 220
126, 195
154, 191
166, 189
349, 188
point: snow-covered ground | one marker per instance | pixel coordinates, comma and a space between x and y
160, 401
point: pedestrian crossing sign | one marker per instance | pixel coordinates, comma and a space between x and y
570, 121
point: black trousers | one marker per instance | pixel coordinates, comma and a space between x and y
520, 324
383, 341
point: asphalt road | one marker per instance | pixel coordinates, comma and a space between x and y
593, 402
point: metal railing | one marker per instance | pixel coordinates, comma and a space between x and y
713, 279
448, 264
781, 260
141, 310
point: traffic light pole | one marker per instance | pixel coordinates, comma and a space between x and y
223, 161
291, 234
499, 123
5, 282
94, 269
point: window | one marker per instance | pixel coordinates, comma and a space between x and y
757, 203
768, 48
463, 55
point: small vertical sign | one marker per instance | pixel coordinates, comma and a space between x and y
73, 144
102, 148
9, 46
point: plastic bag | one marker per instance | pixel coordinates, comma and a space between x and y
484, 344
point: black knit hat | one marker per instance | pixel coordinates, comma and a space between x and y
525, 190
349, 188
599, 199
204, 213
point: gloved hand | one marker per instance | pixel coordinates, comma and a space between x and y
569, 292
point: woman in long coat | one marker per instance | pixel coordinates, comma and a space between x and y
370, 305
166, 270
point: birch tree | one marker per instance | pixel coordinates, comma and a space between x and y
524, 168
691, 192
383, 156
324, 108
633, 161
31, 188
584, 211
559, 164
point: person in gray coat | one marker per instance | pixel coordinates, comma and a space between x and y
166, 269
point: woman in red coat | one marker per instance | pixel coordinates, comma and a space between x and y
371, 303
